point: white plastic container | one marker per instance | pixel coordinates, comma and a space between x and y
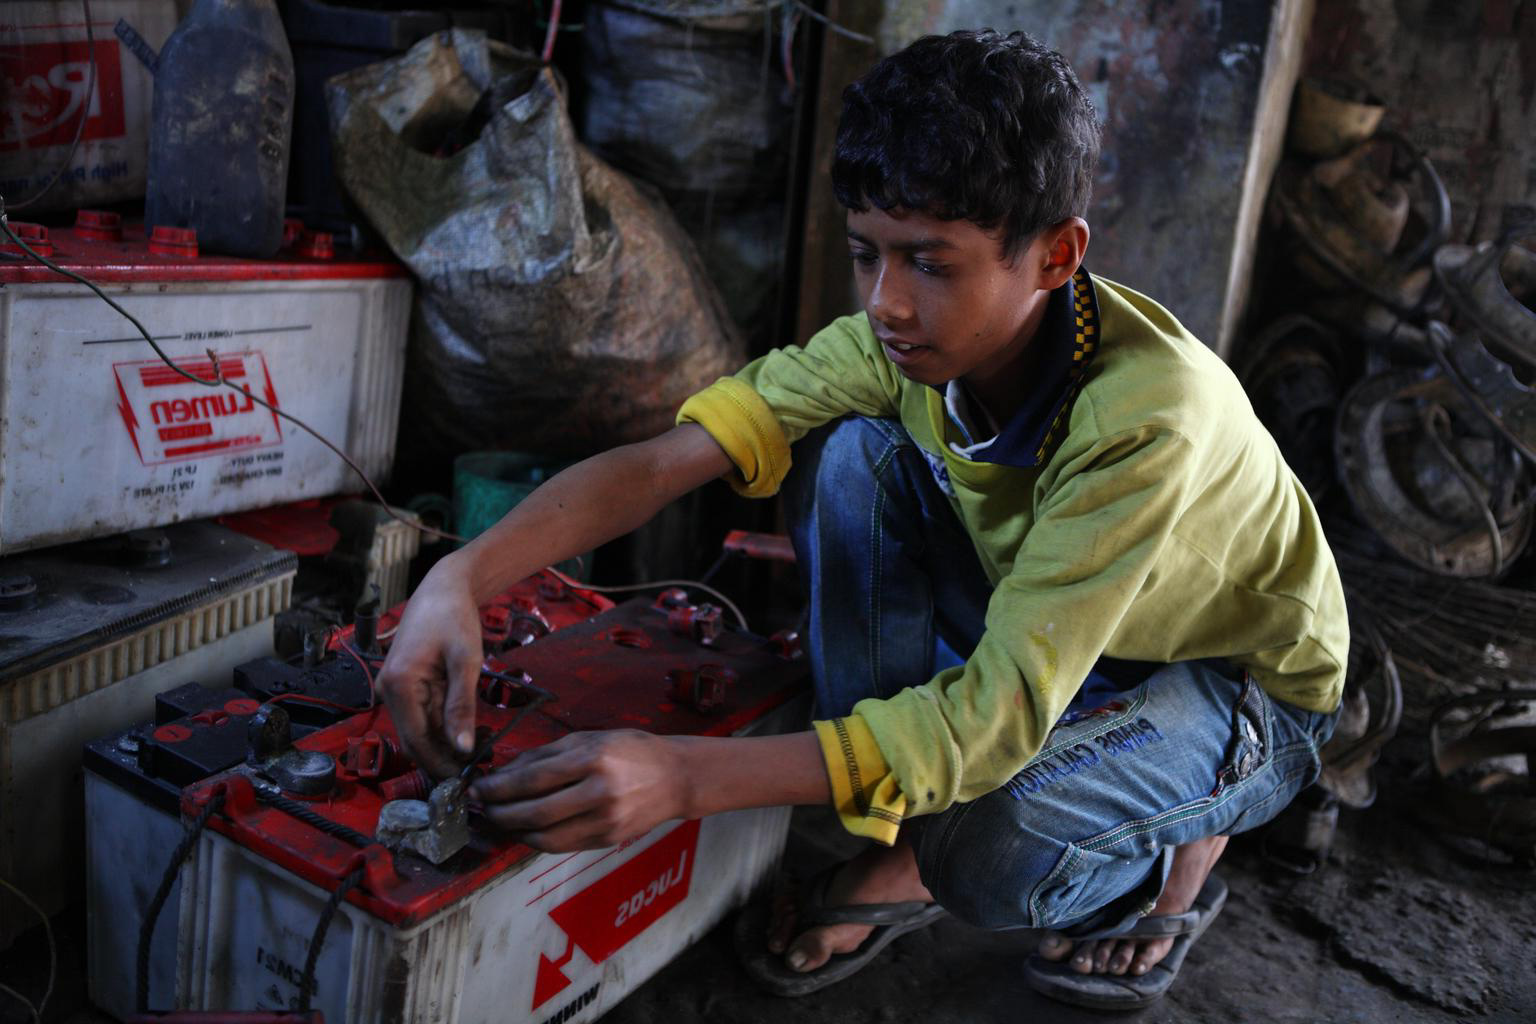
45, 63
97, 435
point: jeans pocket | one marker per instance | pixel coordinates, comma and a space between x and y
1250, 746
1081, 883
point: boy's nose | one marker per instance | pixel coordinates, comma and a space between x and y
888, 303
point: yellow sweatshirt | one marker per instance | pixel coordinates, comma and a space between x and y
1158, 522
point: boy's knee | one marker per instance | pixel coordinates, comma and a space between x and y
983, 866
855, 446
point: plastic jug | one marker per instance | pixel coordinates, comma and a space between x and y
221, 127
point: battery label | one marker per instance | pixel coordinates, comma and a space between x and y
607, 915
171, 418
45, 95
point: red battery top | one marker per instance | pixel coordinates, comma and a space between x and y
106, 249
630, 667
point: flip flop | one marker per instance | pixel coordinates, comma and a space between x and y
1130, 991
768, 969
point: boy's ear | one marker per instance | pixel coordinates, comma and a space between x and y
1061, 253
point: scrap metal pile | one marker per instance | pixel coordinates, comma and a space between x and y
1397, 382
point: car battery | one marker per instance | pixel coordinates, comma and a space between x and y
484, 928
89, 633
134, 778
98, 435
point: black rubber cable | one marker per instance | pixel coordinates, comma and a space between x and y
152, 914
309, 817
307, 979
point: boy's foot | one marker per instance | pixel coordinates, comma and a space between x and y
1192, 864
879, 875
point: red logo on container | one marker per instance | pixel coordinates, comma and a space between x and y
45, 94
605, 916
170, 417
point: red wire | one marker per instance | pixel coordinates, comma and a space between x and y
307, 699
554, 27
373, 696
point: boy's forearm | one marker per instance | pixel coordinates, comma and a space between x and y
736, 773
589, 504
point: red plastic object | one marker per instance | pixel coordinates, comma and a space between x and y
99, 225
413, 785
36, 237
179, 243
772, 547
136, 256
293, 229
599, 685
317, 245
303, 527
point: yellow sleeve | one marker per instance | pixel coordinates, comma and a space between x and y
743, 425
864, 792
776, 399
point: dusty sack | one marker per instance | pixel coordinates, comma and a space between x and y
561, 309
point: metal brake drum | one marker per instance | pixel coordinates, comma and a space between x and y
1429, 475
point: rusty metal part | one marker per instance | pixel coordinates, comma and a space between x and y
1330, 118
1489, 384
1473, 282
1483, 788
1443, 495
1323, 220
435, 828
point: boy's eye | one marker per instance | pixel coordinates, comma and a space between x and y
864, 257
926, 267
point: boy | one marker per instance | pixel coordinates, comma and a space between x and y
1072, 619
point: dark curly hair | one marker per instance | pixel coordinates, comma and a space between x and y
979, 126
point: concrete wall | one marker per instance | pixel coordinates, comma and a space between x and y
1458, 78
1193, 95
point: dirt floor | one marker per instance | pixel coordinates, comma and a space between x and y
1399, 925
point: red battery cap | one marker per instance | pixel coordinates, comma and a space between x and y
35, 235
99, 225
175, 242
317, 245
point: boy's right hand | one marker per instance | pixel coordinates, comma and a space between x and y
428, 679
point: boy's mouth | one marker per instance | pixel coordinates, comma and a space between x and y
902, 352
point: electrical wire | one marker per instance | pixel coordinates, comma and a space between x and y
53, 954
24, 1001
85, 113
373, 693
656, 585
157, 902
554, 29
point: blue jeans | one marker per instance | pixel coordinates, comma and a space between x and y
1147, 757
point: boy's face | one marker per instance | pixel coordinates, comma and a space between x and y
943, 302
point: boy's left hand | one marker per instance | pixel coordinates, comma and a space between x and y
587, 790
